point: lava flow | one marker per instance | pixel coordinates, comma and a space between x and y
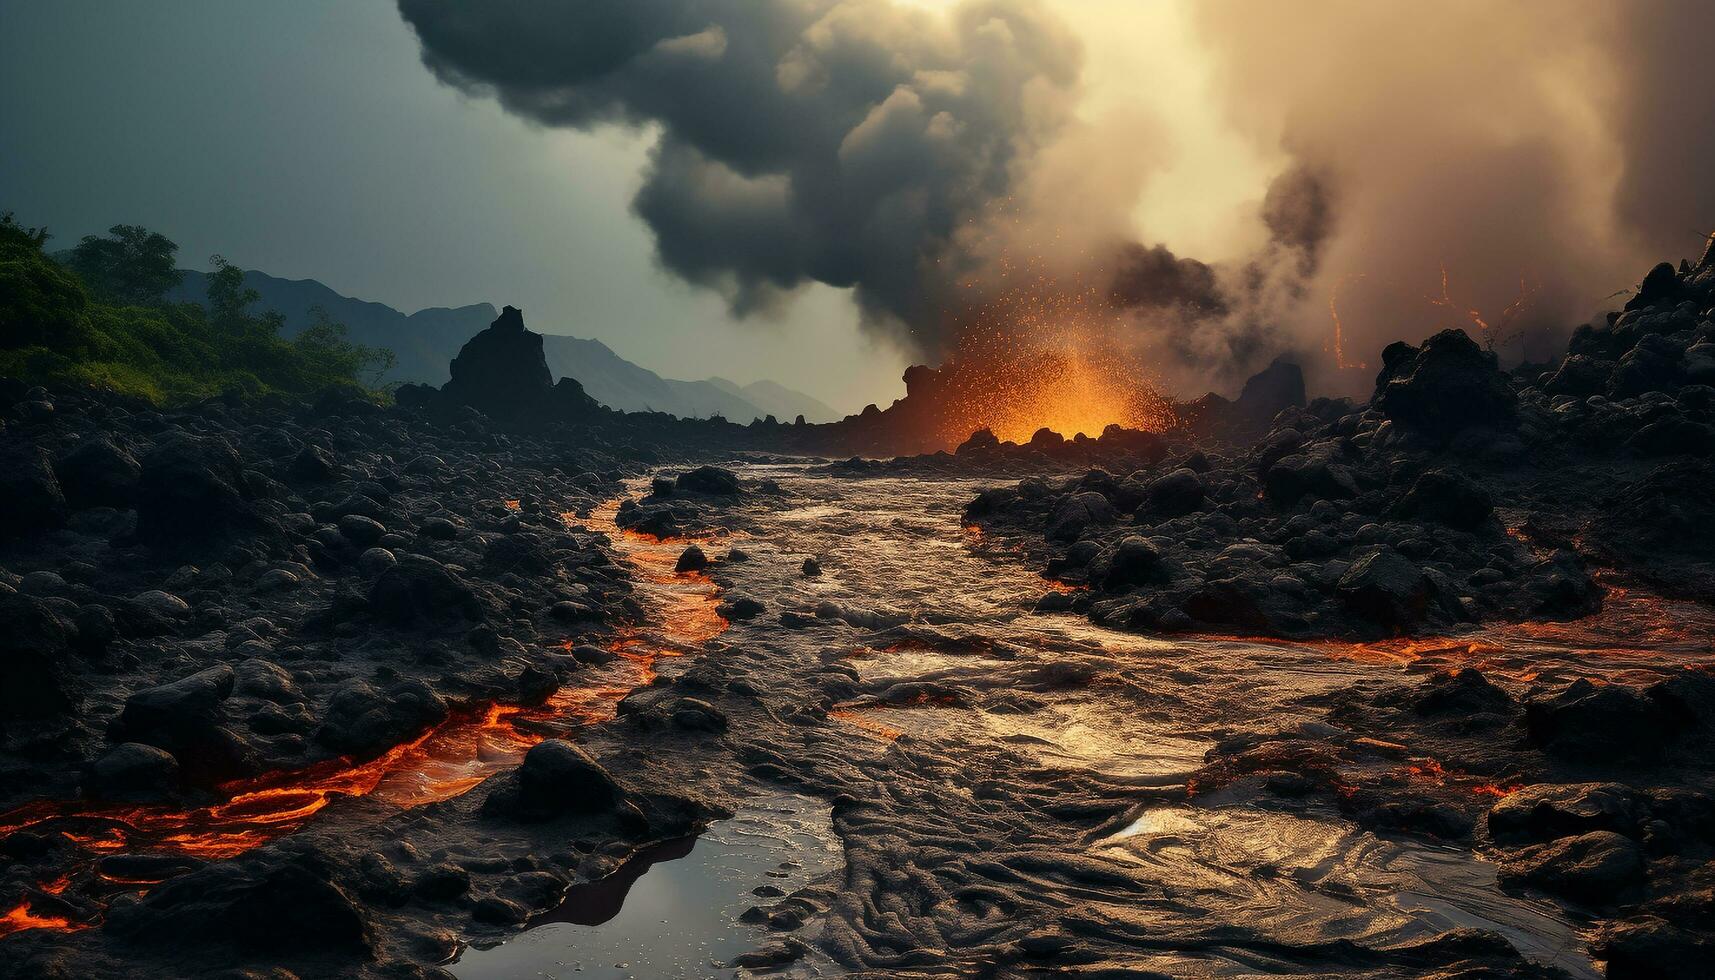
441, 763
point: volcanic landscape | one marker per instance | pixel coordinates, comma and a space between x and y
493, 681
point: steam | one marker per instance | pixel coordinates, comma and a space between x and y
1551, 143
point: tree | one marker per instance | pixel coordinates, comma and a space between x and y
229, 300
133, 266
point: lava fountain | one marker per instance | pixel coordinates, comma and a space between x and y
1046, 354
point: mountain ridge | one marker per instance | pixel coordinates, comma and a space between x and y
424, 343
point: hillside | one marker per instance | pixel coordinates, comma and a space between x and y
425, 341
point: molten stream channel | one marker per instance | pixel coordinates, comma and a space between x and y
439, 764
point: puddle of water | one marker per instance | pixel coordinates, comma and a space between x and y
673, 911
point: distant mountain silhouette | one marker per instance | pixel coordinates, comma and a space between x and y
425, 342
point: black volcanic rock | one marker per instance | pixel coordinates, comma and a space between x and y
979, 440
34, 645
1444, 386
501, 371
33, 499
1276, 387
1446, 497
99, 472
192, 490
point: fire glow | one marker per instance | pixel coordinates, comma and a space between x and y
1044, 350
439, 764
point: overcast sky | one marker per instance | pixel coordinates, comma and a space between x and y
305, 139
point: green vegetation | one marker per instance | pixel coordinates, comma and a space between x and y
100, 320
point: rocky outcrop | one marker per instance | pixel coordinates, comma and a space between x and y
1447, 385
502, 373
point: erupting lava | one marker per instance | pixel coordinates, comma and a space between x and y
1042, 356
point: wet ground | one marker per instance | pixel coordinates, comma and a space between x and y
1036, 741
953, 783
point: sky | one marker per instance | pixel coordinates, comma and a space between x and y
821, 192
305, 139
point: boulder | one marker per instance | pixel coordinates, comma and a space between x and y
1580, 376
1463, 695
711, 480
364, 722
1387, 589
980, 440
1548, 811
186, 717
1650, 947
132, 771
34, 647
1131, 563
1312, 476
192, 490
99, 473
361, 531
1077, 512
691, 559
1046, 440
1672, 436
1446, 497
186, 702
557, 778
1176, 494
420, 590
33, 500
1444, 386
1599, 723
313, 464
1597, 868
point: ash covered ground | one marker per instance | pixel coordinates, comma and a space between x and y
1417, 687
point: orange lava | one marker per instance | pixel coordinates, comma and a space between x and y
1045, 351
1338, 347
864, 723
439, 764
21, 918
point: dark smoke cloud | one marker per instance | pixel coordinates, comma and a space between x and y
846, 142
1536, 150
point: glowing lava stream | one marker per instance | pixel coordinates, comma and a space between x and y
439, 764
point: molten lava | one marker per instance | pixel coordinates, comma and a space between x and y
23, 917
441, 763
1339, 341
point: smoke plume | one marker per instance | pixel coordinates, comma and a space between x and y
845, 142
1543, 154
1497, 167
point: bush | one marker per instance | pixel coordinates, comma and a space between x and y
55, 330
